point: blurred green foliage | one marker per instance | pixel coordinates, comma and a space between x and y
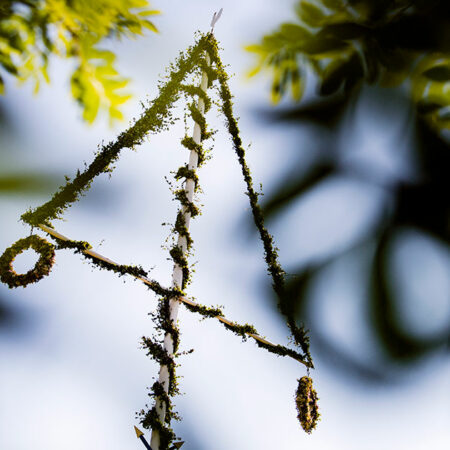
27, 183
31, 31
402, 49
350, 42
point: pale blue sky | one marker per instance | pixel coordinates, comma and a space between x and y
73, 376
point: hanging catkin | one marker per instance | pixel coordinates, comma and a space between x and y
307, 407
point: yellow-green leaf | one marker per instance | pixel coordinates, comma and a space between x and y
310, 14
150, 26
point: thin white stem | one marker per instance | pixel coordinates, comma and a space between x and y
177, 275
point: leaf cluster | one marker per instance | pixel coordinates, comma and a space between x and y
33, 31
350, 43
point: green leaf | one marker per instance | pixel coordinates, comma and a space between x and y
418, 88
105, 71
297, 84
335, 5
310, 14
110, 84
277, 84
324, 47
294, 32
436, 90
438, 73
256, 69
121, 99
428, 106
8, 65
256, 48
29, 36
149, 12
139, 3
115, 113
106, 55
273, 43
91, 105
149, 26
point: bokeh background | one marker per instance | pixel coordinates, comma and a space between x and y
336, 177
